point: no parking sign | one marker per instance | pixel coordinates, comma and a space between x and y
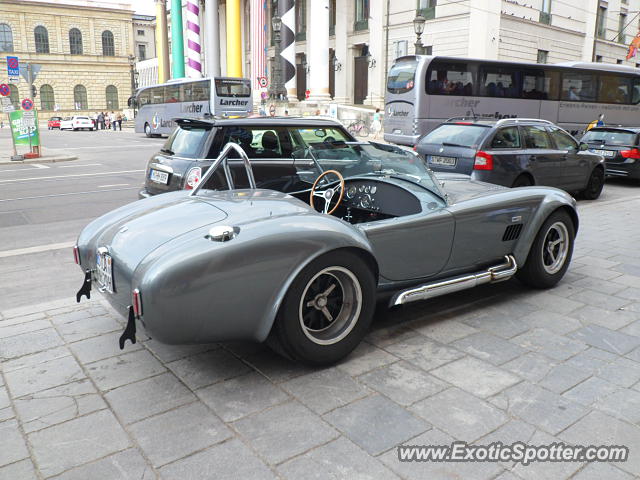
5, 91
27, 104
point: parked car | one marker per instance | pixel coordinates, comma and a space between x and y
301, 264
54, 122
514, 153
194, 144
76, 122
620, 148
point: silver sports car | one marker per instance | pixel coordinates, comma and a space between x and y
301, 260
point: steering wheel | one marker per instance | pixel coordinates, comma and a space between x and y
328, 194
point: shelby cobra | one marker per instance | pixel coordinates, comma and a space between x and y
301, 259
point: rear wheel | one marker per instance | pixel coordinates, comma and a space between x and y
327, 310
595, 185
147, 130
550, 253
364, 131
522, 181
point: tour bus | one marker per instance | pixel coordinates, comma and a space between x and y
424, 91
158, 105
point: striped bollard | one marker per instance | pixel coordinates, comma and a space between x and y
194, 65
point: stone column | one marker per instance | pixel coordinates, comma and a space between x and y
342, 52
318, 48
162, 41
377, 75
212, 38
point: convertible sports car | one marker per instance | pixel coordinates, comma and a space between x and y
300, 259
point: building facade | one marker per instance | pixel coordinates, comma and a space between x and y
83, 47
144, 37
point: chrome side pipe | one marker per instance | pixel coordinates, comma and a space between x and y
497, 273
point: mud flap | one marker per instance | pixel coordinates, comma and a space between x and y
86, 287
130, 330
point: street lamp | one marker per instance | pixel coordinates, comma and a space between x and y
418, 27
277, 89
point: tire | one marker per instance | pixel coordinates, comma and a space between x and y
594, 185
352, 131
303, 333
544, 269
74, 129
147, 130
364, 131
522, 181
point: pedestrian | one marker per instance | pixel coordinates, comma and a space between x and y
100, 121
119, 121
112, 120
376, 124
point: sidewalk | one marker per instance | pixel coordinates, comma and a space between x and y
497, 363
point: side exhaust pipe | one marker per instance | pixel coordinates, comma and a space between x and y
498, 273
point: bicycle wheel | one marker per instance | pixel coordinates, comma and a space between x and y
364, 131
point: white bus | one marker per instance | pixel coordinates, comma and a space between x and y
424, 91
159, 105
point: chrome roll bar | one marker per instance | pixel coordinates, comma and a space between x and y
223, 159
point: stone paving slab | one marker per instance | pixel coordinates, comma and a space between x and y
498, 363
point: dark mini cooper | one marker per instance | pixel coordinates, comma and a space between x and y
514, 153
620, 148
276, 144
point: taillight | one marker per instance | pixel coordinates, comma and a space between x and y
136, 299
415, 148
483, 161
193, 178
633, 153
76, 255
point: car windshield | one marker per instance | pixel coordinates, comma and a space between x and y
610, 137
353, 159
456, 134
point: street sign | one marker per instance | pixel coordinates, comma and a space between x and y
263, 82
5, 91
31, 68
13, 67
28, 114
7, 106
27, 104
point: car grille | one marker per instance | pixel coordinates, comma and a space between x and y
512, 232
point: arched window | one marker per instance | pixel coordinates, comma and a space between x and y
6, 38
80, 97
108, 48
112, 98
47, 100
14, 95
75, 42
42, 39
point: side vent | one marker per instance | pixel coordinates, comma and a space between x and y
512, 232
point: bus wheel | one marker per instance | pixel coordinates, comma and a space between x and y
147, 130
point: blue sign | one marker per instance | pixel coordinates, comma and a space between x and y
13, 67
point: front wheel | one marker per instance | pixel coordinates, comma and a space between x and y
364, 131
550, 253
595, 185
147, 130
327, 310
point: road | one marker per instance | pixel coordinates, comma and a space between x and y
43, 207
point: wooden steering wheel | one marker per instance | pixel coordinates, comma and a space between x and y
328, 194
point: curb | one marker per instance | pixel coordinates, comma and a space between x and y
57, 158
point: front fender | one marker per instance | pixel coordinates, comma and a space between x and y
200, 291
552, 201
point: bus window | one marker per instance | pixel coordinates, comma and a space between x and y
498, 81
232, 87
579, 87
402, 76
172, 94
200, 91
635, 91
540, 85
449, 79
613, 89
144, 97
157, 95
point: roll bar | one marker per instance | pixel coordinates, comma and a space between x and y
223, 159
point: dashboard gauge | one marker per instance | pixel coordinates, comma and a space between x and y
351, 191
367, 189
374, 189
361, 188
365, 201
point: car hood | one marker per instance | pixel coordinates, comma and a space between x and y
460, 188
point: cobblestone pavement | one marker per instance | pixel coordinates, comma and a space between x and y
497, 363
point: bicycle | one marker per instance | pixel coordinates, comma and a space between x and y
359, 128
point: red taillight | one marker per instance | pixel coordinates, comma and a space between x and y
136, 299
193, 178
464, 123
483, 161
415, 148
76, 255
633, 153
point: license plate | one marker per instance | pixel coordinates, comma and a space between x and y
104, 272
604, 153
446, 161
159, 177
